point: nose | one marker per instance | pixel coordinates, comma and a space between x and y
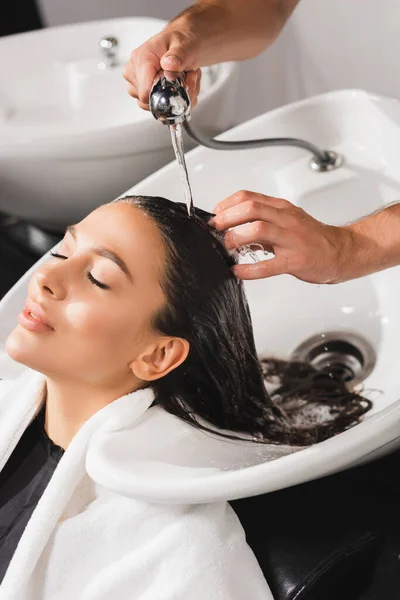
51, 282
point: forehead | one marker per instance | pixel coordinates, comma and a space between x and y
129, 232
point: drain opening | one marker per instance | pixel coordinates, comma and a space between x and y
347, 355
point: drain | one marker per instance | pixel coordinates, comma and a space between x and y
347, 355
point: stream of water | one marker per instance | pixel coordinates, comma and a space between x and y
177, 143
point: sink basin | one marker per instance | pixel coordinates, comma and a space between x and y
184, 465
71, 138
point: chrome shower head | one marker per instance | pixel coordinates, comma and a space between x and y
169, 100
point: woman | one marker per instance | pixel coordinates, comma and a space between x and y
138, 306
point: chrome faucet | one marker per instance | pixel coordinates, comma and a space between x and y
108, 52
170, 103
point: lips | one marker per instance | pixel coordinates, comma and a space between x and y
34, 318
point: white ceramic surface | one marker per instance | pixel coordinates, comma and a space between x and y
324, 46
71, 137
173, 463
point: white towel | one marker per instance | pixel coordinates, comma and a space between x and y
85, 542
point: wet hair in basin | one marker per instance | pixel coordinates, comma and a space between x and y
222, 381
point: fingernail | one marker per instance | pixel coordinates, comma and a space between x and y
174, 58
234, 270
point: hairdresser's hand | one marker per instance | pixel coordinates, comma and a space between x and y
171, 50
206, 33
303, 246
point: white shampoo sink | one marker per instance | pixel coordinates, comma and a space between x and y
71, 138
173, 463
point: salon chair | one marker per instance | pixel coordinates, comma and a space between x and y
336, 538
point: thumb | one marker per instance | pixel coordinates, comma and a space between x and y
180, 56
171, 61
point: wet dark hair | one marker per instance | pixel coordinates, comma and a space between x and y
222, 381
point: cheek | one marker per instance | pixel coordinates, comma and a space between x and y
107, 328
95, 330
85, 318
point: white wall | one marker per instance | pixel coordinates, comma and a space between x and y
326, 45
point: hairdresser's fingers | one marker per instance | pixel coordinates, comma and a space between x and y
170, 50
127, 75
182, 51
258, 232
260, 270
198, 83
132, 90
267, 247
247, 212
246, 195
311, 251
143, 67
192, 81
143, 105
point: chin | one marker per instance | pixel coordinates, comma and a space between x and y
23, 348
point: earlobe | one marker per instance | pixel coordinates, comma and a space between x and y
160, 359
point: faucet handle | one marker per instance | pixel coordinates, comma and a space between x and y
169, 99
108, 51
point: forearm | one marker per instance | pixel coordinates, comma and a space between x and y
233, 29
376, 242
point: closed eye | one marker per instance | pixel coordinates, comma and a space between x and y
103, 286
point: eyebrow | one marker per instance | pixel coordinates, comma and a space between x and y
101, 251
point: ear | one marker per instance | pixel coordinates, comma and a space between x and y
160, 358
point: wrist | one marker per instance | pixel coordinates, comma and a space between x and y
363, 254
228, 30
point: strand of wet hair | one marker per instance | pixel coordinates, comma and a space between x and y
298, 386
301, 389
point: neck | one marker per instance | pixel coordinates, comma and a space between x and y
70, 404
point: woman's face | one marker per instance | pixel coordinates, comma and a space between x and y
99, 297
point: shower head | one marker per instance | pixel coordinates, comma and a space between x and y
169, 100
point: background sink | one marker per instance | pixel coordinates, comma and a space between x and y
286, 312
71, 137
